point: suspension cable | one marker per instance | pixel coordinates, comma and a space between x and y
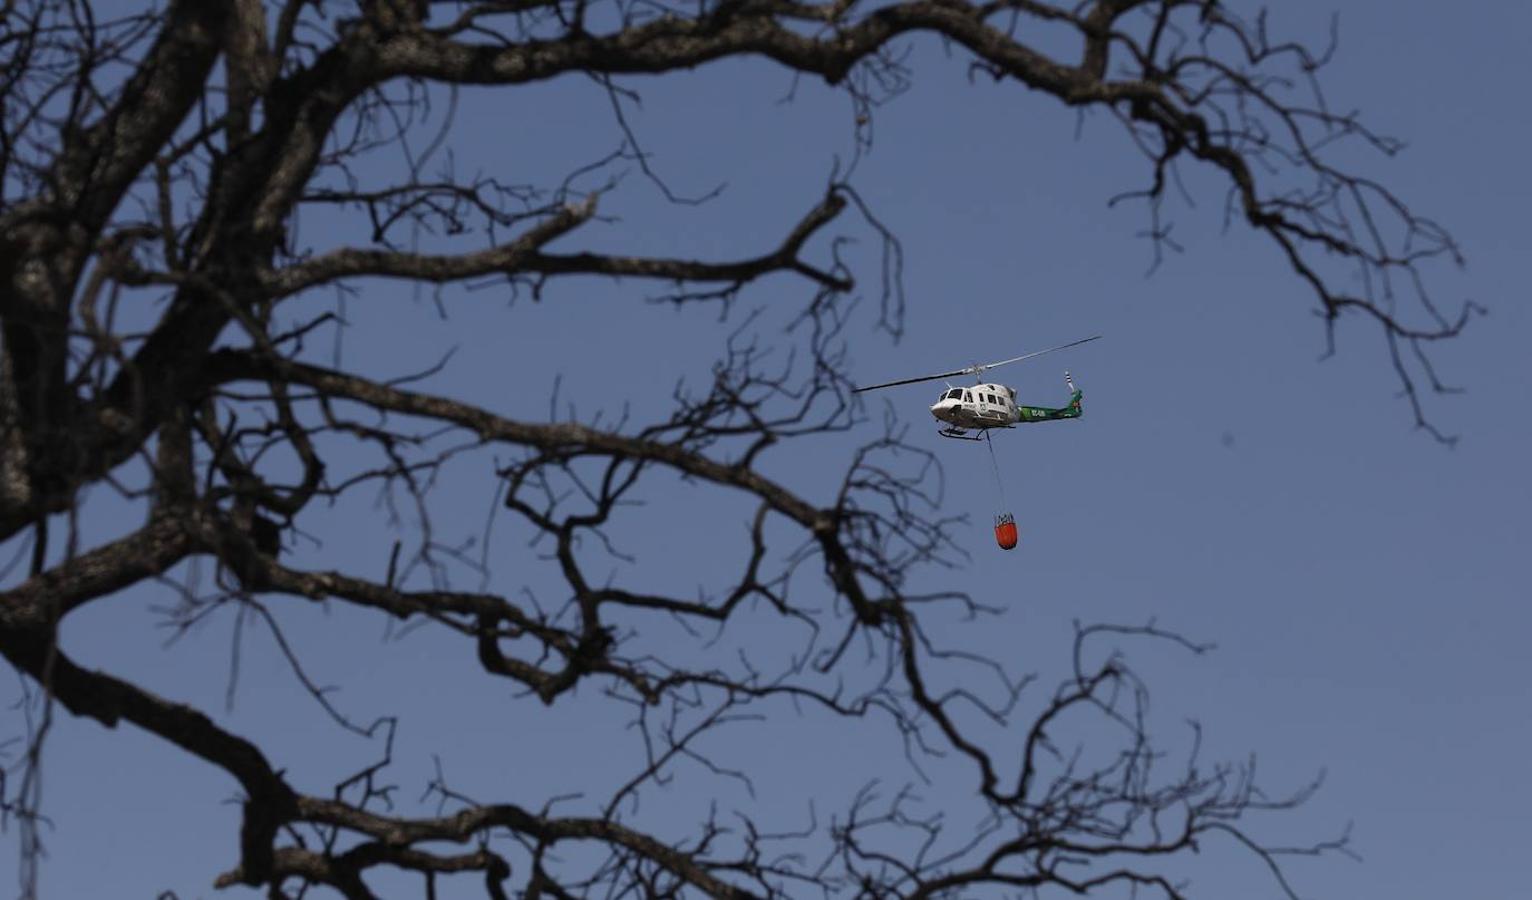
993, 462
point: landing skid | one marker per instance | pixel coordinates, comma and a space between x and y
958, 434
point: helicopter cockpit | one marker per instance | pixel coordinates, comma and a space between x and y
954, 394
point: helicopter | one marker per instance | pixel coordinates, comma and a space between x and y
987, 406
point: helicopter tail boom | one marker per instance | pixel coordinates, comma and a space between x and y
1074, 410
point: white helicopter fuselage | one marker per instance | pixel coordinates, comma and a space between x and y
979, 406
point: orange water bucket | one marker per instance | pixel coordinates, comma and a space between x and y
1005, 531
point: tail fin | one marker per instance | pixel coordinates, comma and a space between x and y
1074, 394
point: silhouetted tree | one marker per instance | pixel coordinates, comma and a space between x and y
166, 154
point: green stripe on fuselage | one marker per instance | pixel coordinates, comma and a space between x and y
1048, 413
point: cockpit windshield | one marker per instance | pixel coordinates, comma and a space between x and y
954, 394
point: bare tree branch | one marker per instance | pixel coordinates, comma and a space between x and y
160, 293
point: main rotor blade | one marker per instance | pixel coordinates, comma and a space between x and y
973, 370
873, 387
1037, 353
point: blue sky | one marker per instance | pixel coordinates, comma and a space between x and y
1366, 586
